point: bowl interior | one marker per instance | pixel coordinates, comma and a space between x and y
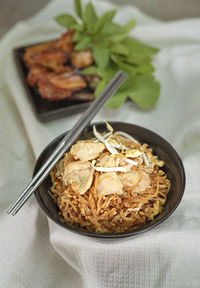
173, 167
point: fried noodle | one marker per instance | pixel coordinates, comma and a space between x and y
112, 213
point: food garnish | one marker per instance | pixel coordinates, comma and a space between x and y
112, 50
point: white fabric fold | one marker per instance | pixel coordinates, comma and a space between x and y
34, 251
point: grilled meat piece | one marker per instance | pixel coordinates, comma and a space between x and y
81, 59
37, 73
37, 49
92, 81
51, 59
65, 43
46, 55
48, 71
82, 96
68, 80
50, 92
60, 86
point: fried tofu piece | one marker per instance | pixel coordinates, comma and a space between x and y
81, 59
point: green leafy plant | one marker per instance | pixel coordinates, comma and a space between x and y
112, 50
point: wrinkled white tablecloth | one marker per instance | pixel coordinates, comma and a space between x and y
34, 252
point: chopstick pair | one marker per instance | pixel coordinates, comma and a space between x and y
67, 141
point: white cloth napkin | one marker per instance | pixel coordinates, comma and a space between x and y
34, 251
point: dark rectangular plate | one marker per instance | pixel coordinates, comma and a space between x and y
46, 110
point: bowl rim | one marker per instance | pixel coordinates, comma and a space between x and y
72, 229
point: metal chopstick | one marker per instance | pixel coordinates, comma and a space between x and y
67, 141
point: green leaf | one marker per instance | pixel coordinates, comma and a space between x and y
108, 16
113, 32
91, 70
115, 38
109, 72
101, 55
90, 17
65, 20
120, 49
138, 53
78, 36
128, 83
137, 59
78, 8
116, 100
137, 45
102, 84
83, 44
78, 27
110, 29
145, 91
126, 67
145, 68
129, 25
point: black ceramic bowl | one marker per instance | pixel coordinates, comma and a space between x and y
173, 167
